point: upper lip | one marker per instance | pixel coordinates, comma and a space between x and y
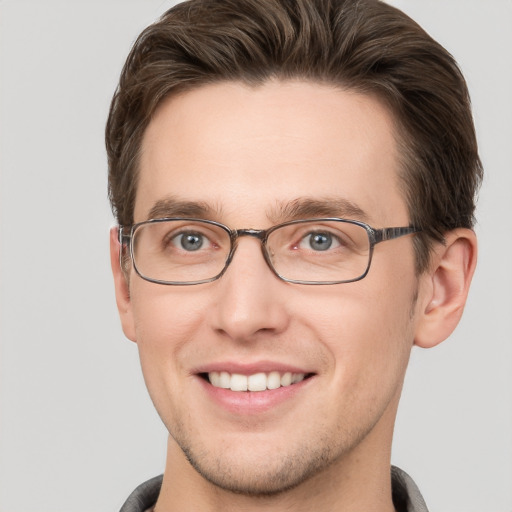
250, 368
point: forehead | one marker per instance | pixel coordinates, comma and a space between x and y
245, 151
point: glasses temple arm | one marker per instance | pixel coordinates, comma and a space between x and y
384, 234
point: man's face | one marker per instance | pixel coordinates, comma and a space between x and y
242, 156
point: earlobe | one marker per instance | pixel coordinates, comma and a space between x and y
122, 288
445, 287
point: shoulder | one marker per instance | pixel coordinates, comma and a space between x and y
144, 496
406, 495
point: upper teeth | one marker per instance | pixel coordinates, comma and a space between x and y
255, 382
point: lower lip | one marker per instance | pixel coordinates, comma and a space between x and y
253, 402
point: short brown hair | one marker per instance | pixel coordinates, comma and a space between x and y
362, 45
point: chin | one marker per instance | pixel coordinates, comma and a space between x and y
260, 474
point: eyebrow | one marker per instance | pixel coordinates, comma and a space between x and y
299, 208
305, 207
172, 207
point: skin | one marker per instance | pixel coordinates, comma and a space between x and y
246, 152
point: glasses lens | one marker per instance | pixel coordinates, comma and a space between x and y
180, 251
320, 251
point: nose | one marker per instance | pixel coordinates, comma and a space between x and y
250, 298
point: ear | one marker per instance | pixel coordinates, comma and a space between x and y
122, 287
445, 287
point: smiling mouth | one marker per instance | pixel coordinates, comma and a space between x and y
255, 382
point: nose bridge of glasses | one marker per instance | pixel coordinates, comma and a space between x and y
260, 234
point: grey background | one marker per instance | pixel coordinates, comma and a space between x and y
77, 430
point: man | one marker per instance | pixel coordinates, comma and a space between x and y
294, 185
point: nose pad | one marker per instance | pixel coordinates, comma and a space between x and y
250, 298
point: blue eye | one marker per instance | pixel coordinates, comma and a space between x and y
189, 241
319, 241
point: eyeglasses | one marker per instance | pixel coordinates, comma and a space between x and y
186, 251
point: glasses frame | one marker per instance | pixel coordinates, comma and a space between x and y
375, 236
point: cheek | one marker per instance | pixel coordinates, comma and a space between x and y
163, 315
367, 331
165, 322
